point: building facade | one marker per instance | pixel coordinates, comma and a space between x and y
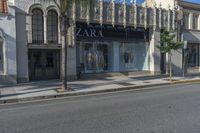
191, 34
104, 38
8, 66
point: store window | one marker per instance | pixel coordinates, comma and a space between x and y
93, 57
37, 26
193, 58
52, 27
134, 56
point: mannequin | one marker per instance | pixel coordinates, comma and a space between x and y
126, 58
89, 59
101, 60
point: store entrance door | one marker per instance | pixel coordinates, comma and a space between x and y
44, 64
193, 58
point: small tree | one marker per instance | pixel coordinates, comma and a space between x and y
64, 6
168, 43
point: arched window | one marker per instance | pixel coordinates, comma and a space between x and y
37, 26
52, 27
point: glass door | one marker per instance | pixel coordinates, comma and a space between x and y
193, 52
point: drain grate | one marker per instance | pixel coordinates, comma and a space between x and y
124, 83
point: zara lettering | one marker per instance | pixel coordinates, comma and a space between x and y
89, 33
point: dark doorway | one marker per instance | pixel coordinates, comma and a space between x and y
44, 64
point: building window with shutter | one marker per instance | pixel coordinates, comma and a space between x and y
3, 6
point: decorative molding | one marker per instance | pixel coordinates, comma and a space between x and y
125, 14
101, 12
113, 12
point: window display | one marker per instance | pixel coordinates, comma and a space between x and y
115, 56
94, 57
133, 57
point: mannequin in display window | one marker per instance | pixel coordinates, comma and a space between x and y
101, 61
94, 60
126, 58
89, 59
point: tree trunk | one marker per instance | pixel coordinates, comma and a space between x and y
64, 53
170, 67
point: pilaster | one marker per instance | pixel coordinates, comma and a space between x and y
190, 21
45, 29
154, 51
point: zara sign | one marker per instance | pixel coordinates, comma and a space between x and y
89, 32
96, 31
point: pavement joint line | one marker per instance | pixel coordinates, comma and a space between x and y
96, 92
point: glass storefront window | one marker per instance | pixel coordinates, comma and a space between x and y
134, 56
95, 57
193, 58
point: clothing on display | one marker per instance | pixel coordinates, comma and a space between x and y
89, 60
126, 57
95, 60
101, 60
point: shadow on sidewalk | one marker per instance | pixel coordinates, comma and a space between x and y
17, 94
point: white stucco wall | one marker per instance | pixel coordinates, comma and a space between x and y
7, 24
164, 3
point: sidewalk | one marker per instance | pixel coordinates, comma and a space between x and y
48, 89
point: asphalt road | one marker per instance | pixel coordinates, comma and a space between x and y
170, 109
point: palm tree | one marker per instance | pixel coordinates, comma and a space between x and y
167, 45
65, 20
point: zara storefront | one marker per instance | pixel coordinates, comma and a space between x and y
111, 49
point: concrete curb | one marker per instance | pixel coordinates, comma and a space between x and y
186, 81
82, 93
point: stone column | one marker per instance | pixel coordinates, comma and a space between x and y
154, 51
169, 19
5, 64
113, 12
199, 22
71, 54
116, 57
135, 13
190, 25
45, 29
101, 13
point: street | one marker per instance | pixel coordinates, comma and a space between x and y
170, 109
